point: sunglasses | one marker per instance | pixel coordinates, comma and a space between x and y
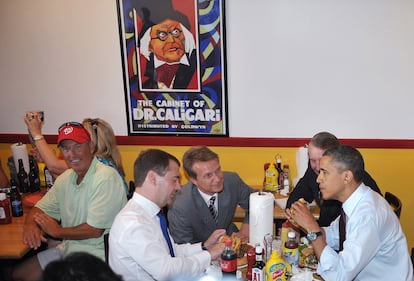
75, 124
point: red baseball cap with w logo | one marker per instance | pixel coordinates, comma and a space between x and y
73, 131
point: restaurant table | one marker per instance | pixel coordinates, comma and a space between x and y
12, 246
11, 235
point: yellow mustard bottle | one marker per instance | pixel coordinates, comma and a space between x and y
275, 268
271, 178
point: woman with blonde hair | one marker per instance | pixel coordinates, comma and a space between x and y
102, 135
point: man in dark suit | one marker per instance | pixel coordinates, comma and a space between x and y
191, 218
307, 187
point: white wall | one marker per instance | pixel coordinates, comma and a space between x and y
294, 67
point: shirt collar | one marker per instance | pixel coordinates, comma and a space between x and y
206, 197
150, 207
349, 205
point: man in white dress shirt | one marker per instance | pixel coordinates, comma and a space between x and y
374, 246
138, 250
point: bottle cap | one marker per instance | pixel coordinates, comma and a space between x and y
228, 243
259, 249
2, 196
291, 234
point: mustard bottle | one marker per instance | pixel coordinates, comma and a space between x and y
271, 178
275, 268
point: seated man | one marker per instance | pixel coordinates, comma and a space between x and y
307, 187
140, 247
190, 217
367, 235
84, 198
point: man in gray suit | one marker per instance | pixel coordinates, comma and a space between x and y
209, 201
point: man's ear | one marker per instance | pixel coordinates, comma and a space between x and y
193, 180
349, 176
152, 177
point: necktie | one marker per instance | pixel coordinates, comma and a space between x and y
342, 230
166, 72
213, 209
163, 223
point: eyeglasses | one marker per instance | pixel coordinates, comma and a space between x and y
76, 124
163, 35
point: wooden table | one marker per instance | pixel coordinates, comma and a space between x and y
11, 236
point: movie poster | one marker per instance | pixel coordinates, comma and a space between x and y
174, 66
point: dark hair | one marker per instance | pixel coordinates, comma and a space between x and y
79, 266
196, 154
324, 140
152, 160
345, 157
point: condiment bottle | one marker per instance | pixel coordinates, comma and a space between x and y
23, 178
279, 172
275, 268
16, 200
271, 178
258, 269
291, 253
5, 216
286, 226
228, 260
251, 258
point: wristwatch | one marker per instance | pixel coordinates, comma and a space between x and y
313, 235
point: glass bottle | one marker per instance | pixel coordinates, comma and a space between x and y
16, 200
228, 260
258, 269
34, 180
23, 178
279, 172
48, 178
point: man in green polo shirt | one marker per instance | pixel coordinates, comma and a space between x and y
84, 199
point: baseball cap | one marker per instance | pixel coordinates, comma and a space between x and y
73, 131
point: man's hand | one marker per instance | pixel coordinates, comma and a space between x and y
47, 224
216, 250
32, 235
214, 237
300, 215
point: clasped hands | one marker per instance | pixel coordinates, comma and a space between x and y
33, 234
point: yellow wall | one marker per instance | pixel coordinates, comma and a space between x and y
391, 168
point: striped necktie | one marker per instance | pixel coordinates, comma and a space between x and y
163, 224
213, 209
342, 230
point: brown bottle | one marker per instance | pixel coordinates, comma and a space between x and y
23, 178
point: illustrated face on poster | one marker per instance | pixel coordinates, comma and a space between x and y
174, 66
167, 46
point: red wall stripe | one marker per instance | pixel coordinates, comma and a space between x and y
226, 141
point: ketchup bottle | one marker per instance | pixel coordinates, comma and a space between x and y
251, 258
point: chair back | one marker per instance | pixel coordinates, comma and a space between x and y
395, 203
106, 247
131, 189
